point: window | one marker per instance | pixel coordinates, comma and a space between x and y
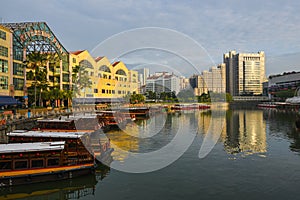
52, 162
103, 91
23, 164
65, 77
37, 163
104, 68
2, 35
18, 69
3, 66
6, 165
95, 90
18, 54
3, 51
3, 82
85, 64
18, 83
121, 72
74, 60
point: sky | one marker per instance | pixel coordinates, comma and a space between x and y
200, 32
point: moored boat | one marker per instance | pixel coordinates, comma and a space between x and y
24, 163
79, 145
267, 105
178, 107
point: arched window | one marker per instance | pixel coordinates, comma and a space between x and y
86, 64
104, 68
121, 72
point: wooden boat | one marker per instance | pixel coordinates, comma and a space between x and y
87, 123
78, 144
179, 107
267, 105
23, 163
74, 188
112, 118
136, 112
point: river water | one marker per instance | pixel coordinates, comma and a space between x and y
248, 154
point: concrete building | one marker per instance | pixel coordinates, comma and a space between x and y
22, 39
284, 84
163, 82
184, 83
245, 73
213, 80
143, 74
107, 80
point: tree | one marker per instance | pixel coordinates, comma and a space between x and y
186, 95
34, 61
81, 80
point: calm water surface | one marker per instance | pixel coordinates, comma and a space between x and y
256, 157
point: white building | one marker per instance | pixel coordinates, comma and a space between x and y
245, 73
163, 82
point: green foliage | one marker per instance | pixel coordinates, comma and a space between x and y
186, 96
135, 98
81, 80
285, 93
229, 97
204, 98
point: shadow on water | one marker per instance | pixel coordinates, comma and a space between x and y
74, 188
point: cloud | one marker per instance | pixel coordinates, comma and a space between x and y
219, 26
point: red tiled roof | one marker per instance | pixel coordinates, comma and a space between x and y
115, 63
99, 58
76, 52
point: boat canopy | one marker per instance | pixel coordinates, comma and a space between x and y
47, 134
31, 147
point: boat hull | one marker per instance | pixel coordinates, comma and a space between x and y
22, 177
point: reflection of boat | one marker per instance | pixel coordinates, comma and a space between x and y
190, 106
23, 163
65, 189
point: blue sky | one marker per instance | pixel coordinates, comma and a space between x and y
218, 26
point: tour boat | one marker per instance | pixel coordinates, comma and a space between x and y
190, 106
267, 105
24, 163
112, 119
77, 143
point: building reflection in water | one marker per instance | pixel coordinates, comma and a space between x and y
244, 131
74, 188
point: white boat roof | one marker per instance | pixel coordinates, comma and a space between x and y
31, 147
48, 134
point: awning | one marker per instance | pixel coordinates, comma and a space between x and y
8, 100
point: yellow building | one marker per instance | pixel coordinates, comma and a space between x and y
106, 80
5, 60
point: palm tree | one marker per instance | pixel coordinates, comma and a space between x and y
34, 61
81, 80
